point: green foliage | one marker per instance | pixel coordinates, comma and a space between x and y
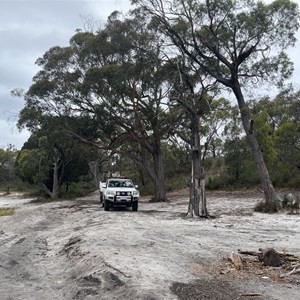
177, 161
216, 182
7, 211
287, 140
116, 88
28, 166
240, 167
281, 174
177, 182
263, 132
49, 145
278, 131
213, 165
293, 181
7, 174
80, 188
214, 169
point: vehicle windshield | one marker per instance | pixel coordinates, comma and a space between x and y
120, 183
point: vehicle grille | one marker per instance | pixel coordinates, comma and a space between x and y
124, 194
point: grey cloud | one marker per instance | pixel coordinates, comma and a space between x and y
10, 135
28, 28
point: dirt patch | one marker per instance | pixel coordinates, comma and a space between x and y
213, 289
76, 250
287, 272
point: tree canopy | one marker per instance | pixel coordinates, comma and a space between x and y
152, 82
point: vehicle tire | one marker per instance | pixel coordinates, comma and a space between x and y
135, 206
101, 200
106, 205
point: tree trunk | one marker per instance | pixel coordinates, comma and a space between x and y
94, 171
45, 188
159, 180
55, 185
271, 200
197, 203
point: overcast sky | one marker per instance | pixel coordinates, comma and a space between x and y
28, 28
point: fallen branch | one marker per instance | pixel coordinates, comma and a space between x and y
296, 270
251, 294
253, 253
290, 257
116, 269
72, 241
286, 257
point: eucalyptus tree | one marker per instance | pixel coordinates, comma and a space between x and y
115, 76
194, 92
135, 85
191, 93
49, 158
239, 43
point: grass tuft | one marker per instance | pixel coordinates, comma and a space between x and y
6, 211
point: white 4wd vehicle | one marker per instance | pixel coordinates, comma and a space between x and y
119, 191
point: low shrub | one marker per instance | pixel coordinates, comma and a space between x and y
78, 189
266, 207
214, 182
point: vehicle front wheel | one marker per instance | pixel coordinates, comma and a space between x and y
135, 206
106, 205
101, 200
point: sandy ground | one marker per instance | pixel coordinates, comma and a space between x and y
76, 250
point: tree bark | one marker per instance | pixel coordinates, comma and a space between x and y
159, 180
197, 203
93, 168
156, 169
55, 186
45, 188
269, 191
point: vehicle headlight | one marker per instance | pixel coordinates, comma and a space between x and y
118, 193
111, 193
128, 193
136, 193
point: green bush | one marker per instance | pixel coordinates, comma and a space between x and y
77, 189
177, 182
215, 182
294, 182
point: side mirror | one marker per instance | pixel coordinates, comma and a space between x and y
136, 186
